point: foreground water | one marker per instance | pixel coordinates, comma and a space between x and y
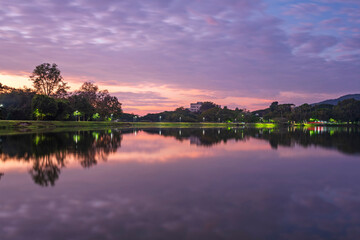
181, 184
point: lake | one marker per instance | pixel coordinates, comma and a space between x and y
237, 183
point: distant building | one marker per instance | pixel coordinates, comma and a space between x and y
195, 107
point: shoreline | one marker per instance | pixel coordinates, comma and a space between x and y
31, 124
28, 125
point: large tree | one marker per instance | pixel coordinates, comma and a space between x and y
47, 79
207, 105
108, 105
44, 107
89, 91
82, 107
103, 103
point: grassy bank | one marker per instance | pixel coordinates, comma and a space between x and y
20, 126
32, 125
36, 125
183, 125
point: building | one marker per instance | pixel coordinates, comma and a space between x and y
195, 107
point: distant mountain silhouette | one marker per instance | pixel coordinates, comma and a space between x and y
337, 100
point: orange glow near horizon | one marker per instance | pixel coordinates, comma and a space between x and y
175, 97
15, 80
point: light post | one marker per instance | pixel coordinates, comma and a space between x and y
203, 119
1, 108
77, 114
160, 120
180, 119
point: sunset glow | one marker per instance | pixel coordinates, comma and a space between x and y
160, 55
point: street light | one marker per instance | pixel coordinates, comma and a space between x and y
203, 119
160, 118
180, 119
1, 108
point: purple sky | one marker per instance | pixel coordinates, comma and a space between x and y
161, 54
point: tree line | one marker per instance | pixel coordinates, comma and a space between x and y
51, 100
346, 111
209, 112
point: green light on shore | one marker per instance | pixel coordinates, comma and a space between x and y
76, 138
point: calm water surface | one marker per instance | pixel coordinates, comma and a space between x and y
181, 184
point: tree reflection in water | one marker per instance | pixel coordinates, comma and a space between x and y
45, 171
345, 140
50, 152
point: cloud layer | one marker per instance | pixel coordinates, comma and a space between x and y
235, 48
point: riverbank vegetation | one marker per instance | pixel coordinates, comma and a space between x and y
345, 112
25, 125
50, 100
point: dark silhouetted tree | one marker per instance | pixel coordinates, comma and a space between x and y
47, 79
207, 105
44, 107
274, 106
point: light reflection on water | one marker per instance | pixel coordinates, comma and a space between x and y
181, 184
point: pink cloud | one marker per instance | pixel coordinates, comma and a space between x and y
250, 53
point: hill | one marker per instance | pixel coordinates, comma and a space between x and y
337, 100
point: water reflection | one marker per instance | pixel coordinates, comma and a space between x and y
282, 184
346, 140
50, 152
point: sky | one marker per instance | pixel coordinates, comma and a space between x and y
162, 54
